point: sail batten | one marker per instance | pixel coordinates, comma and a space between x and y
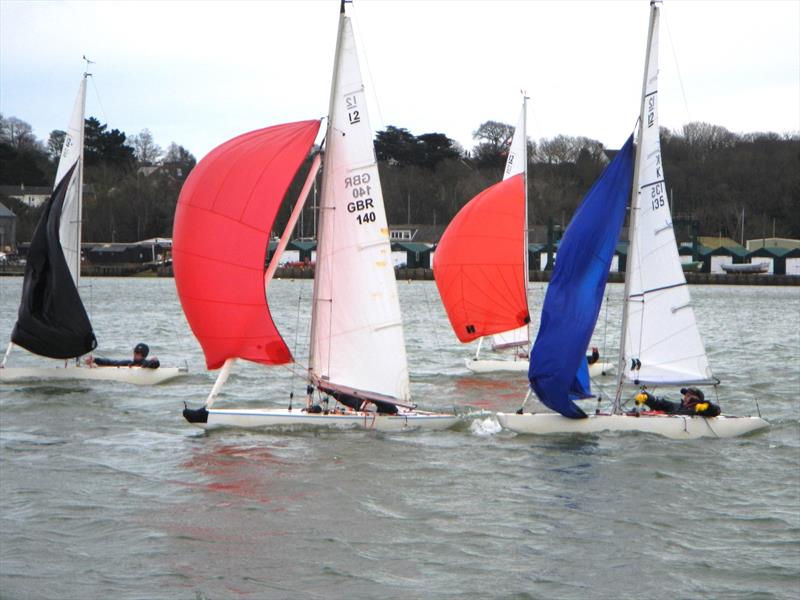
357, 341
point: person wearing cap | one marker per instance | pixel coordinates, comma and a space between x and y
594, 356
140, 352
693, 402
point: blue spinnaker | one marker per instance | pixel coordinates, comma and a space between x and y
558, 371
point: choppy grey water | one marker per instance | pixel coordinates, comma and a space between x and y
106, 493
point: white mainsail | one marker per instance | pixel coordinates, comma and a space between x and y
357, 338
660, 336
69, 229
516, 163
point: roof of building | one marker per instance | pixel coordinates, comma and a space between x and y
411, 246
715, 241
301, 245
18, 190
771, 251
6, 212
735, 250
772, 242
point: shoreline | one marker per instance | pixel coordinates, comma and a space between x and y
427, 275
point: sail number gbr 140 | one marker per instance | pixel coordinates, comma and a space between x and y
362, 205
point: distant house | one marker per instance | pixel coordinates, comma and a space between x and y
33, 196
425, 234
153, 250
8, 229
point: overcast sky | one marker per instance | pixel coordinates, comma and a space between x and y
199, 73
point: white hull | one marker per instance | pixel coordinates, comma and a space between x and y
520, 365
676, 427
282, 417
135, 375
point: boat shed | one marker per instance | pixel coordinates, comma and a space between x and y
411, 255
534, 256
792, 262
620, 259
116, 254
307, 249
714, 258
774, 256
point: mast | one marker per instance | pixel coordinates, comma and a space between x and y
322, 207
79, 220
357, 343
518, 151
634, 208
525, 242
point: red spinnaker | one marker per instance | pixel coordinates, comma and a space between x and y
479, 263
222, 225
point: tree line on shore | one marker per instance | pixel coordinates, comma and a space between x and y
715, 177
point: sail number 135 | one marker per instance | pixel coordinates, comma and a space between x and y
657, 196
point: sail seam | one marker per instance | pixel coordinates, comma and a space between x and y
652, 183
658, 289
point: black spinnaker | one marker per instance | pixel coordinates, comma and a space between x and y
52, 320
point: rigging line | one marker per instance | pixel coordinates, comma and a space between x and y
99, 102
373, 87
678, 70
429, 310
296, 336
709, 426
331, 279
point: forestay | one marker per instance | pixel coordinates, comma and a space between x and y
69, 231
516, 164
357, 342
223, 220
661, 341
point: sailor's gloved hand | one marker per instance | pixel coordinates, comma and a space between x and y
641, 397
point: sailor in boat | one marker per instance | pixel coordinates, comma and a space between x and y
140, 359
594, 356
693, 402
364, 405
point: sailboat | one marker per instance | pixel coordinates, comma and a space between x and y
225, 213
52, 320
661, 344
481, 267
